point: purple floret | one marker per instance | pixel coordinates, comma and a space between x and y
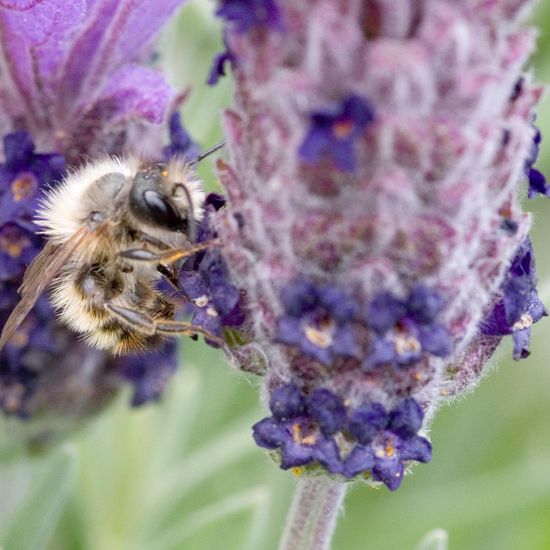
318, 320
334, 132
243, 15
302, 428
519, 305
22, 176
181, 143
219, 63
406, 329
386, 441
537, 180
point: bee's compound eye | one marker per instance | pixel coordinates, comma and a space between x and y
150, 204
161, 211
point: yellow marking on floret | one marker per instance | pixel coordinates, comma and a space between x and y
320, 337
13, 248
342, 129
407, 344
298, 437
23, 187
525, 322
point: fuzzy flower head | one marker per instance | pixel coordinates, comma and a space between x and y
377, 154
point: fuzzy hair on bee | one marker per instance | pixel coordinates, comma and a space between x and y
114, 228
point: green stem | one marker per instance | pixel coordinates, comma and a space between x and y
312, 517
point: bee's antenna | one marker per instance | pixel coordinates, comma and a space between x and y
208, 152
192, 225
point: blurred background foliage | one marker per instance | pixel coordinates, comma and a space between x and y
185, 473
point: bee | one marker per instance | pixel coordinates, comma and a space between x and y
114, 228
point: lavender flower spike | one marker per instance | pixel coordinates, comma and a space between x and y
373, 223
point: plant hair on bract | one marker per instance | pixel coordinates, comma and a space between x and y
115, 228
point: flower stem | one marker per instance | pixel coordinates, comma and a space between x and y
312, 517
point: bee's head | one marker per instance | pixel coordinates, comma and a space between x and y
153, 200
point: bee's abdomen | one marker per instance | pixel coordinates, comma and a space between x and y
80, 302
120, 340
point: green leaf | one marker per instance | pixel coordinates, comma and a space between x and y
42, 491
209, 518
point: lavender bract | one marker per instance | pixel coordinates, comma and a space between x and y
377, 153
72, 75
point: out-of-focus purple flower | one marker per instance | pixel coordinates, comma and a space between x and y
537, 180
73, 79
243, 15
406, 329
333, 133
22, 174
149, 373
36, 360
379, 156
318, 320
519, 305
181, 143
218, 66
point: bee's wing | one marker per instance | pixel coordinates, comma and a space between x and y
38, 276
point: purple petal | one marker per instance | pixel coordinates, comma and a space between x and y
381, 352
289, 331
424, 304
341, 306
192, 285
218, 66
293, 454
344, 342
537, 184
367, 421
299, 297
269, 434
416, 448
384, 311
327, 454
286, 402
522, 338
181, 143
358, 461
390, 471
149, 373
327, 410
406, 418
435, 340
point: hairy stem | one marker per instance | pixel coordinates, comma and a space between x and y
312, 517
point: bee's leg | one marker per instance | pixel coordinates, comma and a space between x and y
145, 324
149, 239
166, 257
